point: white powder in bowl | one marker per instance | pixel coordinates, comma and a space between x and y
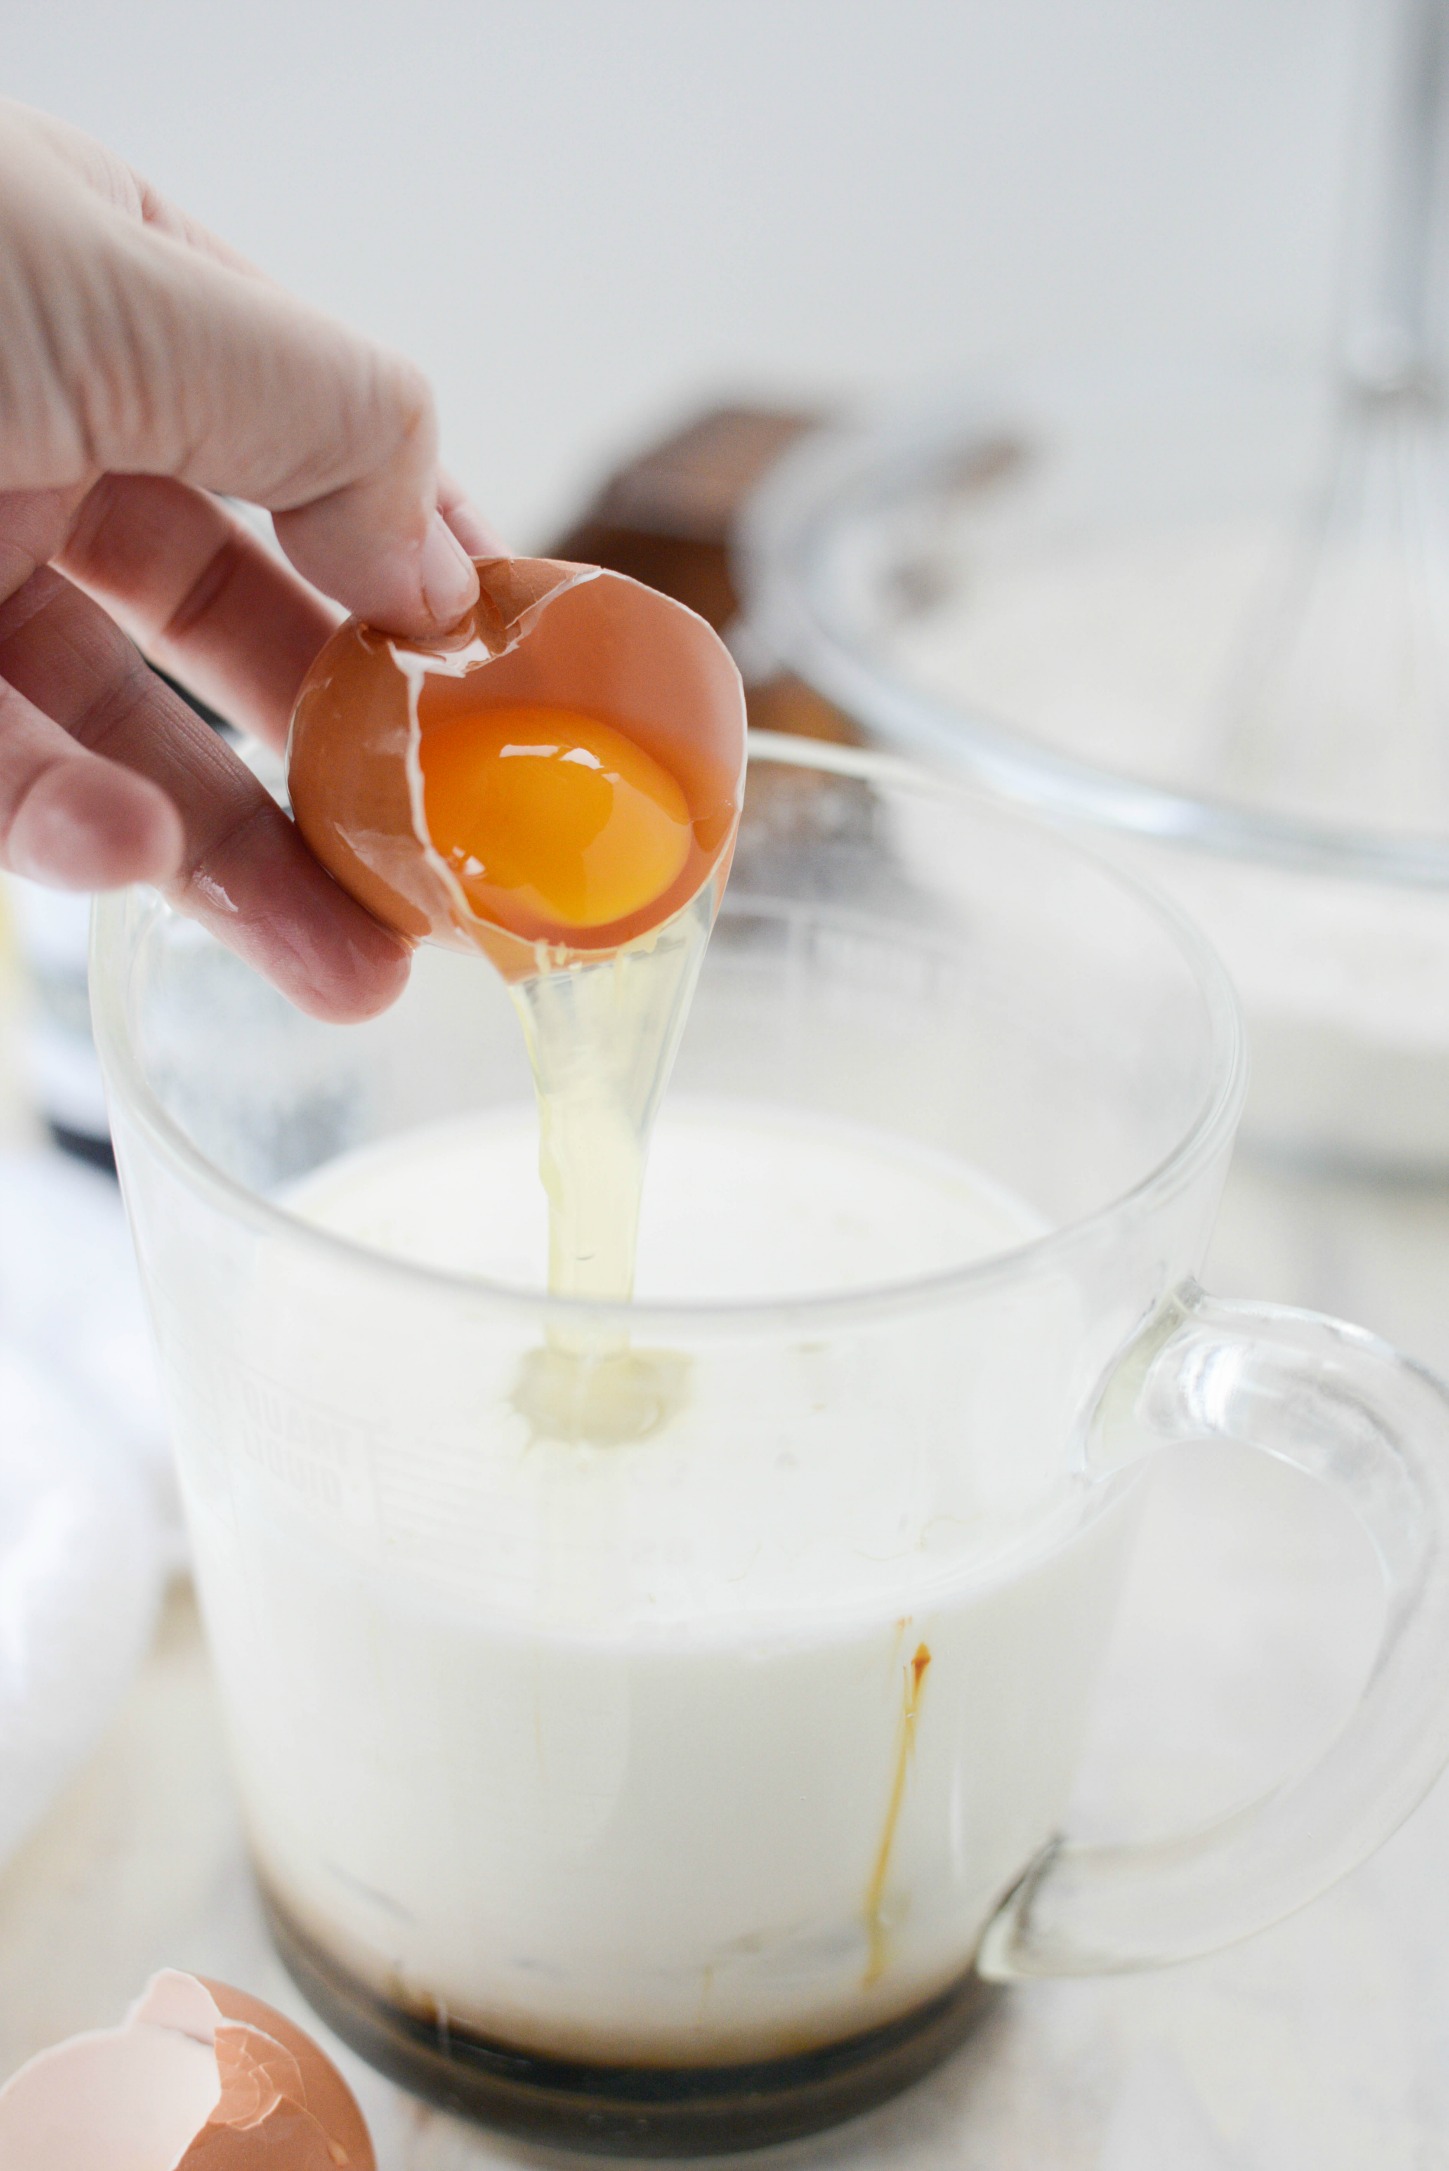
1121, 652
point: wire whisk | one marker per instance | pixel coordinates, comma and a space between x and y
1338, 709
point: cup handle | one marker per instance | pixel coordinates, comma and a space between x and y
1346, 1408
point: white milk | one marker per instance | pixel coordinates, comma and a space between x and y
584, 1752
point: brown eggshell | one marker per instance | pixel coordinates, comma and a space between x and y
328, 2096
542, 631
199, 2078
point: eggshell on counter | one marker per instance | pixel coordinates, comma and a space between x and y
543, 632
199, 2077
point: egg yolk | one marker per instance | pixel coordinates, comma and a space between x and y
548, 815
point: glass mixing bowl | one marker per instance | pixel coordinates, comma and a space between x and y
1055, 595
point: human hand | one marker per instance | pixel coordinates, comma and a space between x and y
144, 366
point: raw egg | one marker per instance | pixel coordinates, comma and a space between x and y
199, 2077
551, 820
560, 773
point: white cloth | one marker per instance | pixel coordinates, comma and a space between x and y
88, 1523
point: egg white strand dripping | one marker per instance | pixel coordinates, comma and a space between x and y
602, 1037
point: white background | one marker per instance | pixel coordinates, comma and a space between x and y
585, 216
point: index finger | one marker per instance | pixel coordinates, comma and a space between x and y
244, 871
129, 349
250, 393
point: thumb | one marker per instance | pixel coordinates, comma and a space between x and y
194, 369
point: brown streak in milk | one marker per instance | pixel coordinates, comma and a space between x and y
914, 1680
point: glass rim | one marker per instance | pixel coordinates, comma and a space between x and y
796, 614
114, 943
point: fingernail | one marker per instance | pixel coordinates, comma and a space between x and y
476, 535
450, 585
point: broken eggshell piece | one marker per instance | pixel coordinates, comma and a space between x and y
544, 634
200, 2077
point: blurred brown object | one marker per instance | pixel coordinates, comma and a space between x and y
666, 518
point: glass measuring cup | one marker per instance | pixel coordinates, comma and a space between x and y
686, 1790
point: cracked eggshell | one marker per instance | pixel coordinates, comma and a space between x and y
199, 2077
542, 631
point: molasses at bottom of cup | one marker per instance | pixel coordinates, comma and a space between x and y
621, 2109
